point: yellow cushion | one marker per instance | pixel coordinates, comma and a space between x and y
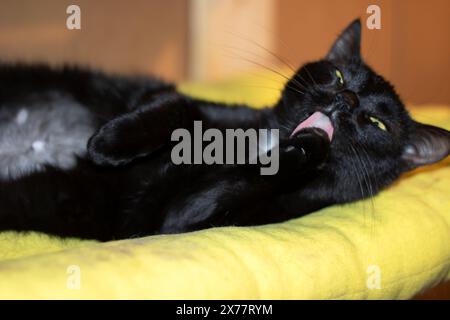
391, 247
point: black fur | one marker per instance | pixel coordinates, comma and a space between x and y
128, 187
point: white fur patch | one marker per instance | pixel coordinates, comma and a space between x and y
38, 146
52, 131
22, 117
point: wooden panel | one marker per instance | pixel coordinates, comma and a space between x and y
123, 36
229, 37
421, 50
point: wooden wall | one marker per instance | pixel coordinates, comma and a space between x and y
225, 35
212, 39
145, 36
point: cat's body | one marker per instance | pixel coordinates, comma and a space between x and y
125, 184
57, 190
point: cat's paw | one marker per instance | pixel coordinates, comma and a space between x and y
138, 133
313, 143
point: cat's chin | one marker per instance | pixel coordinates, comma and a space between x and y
317, 120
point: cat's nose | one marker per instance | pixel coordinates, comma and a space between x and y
345, 100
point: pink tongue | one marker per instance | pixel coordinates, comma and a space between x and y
317, 120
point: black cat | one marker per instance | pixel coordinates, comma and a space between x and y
344, 135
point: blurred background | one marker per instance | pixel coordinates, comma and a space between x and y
207, 40
210, 40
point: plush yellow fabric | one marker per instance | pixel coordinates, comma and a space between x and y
392, 247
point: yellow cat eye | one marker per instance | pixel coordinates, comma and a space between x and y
378, 123
340, 76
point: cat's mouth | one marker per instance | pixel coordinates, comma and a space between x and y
317, 120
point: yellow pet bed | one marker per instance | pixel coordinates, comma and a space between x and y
393, 247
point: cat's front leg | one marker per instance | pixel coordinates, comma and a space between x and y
149, 126
140, 132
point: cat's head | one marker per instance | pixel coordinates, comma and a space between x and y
373, 138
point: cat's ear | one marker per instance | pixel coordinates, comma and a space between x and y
348, 45
426, 145
137, 133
